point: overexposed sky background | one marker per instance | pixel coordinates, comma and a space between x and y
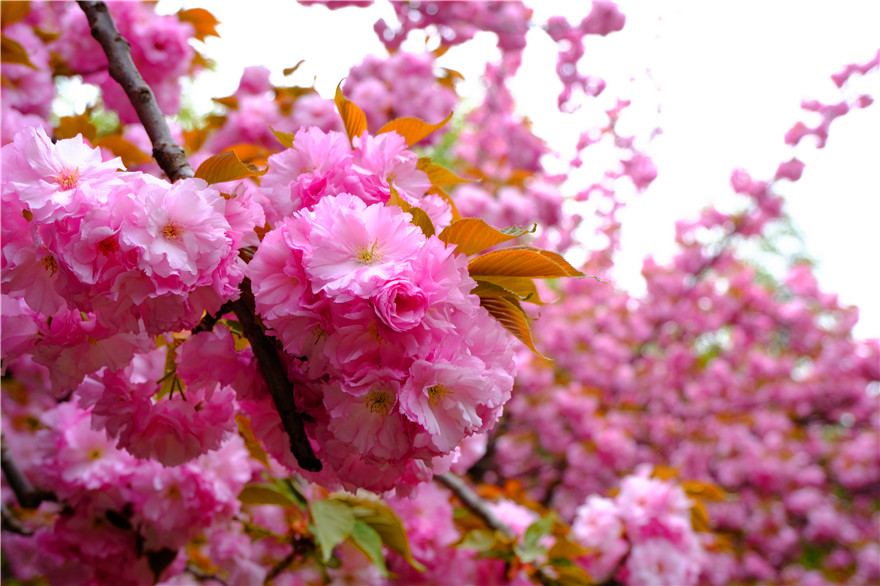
723, 80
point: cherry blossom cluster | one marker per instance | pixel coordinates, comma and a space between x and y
458, 21
160, 49
109, 254
647, 525
257, 107
755, 386
117, 515
604, 18
394, 360
402, 85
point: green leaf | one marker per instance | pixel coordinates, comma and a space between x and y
387, 524
224, 167
539, 529
12, 52
353, 117
412, 129
264, 494
473, 235
333, 521
367, 539
522, 262
291, 489
478, 540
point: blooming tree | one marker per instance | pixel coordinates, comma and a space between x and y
286, 345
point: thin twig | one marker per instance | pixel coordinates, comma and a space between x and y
473, 502
27, 496
279, 385
166, 151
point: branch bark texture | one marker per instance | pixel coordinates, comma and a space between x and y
279, 385
166, 151
472, 502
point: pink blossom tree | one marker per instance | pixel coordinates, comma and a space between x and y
286, 345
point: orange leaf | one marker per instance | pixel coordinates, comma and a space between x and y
439, 176
523, 287
12, 52
353, 117
284, 138
224, 167
421, 219
250, 441
396, 200
473, 235
702, 491
412, 129
290, 70
509, 313
12, 12
436, 190
521, 262
70, 126
230, 102
128, 152
204, 23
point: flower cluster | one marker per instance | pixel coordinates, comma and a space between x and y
127, 252
648, 524
126, 514
395, 362
402, 85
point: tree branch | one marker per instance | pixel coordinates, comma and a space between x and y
279, 385
166, 151
25, 493
173, 161
472, 502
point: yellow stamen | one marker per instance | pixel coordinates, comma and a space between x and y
50, 264
67, 178
378, 402
172, 231
369, 255
435, 393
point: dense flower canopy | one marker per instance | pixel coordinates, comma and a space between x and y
328, 358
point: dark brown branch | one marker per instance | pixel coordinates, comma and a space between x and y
173, 161
472, 502
279, 385
166, 151
27, 496
208, 321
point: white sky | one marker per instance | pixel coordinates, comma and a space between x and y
728, 78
